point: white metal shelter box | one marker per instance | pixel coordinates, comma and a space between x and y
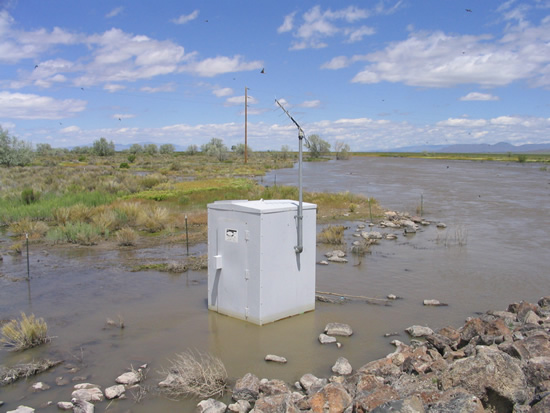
254, 272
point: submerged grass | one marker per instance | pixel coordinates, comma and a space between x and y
18, 335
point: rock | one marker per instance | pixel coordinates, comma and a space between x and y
531, 318
391, 237
538, 371
274, 358
392, 297
478, 327
459, 402
40, 386
65, 406
324, 339
419, 331
273, 387
338, 329
411, 404
374, 235
367, 401
409, 230
537, 345
312, 384
211, 406
274, 404
89, 395
441, 225
342, 366
82, 386
82, 406
324, 262
129, 378
22, 409
169, 381
544, 302
335, 253
336, 259
333, 395
247, 388
241, 406
114, 392
489, 374
435, 303
543, 406
61, 381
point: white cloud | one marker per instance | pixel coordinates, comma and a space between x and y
479, 96
436, 59
310, 104
121, 116
221, 92
288, 23
338, 62
467, 123
168, 87
30, 106
16, 45
111, 87
186, 18
115, 12
506, 120
211, 67
319, 24
70, 129
239, 100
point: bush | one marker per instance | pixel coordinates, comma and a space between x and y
24, 334
127, 237
196, 374
522, 158
28, 196
333, 234
14, 152
103, 148
132, 157
124, 165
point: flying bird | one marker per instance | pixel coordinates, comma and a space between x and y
469, 10
36, 66
263, 70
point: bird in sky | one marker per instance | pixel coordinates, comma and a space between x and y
263, 70
469, 10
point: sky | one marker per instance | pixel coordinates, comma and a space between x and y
376, 75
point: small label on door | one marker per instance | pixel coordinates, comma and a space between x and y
231, 235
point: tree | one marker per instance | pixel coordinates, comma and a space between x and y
239, 149
44, 149
285, 150
103, 148
192, 150
342, 150
167, 148
151, 149
317, 146
136, 148
215, 148
13, 151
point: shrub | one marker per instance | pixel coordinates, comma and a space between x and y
24, 334
127, 237
77, 233
103, 148
28, 196
132, 157
522, 158
13, 151
196, 374
35, 229
124, 165
333, 234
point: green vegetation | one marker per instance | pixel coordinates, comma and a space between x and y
333, 234
317, 147
13, 151
26, 333
507, 157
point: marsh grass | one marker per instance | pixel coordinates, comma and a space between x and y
24, 371
81, 233
127, 237
18, 335
333, 234
198, 374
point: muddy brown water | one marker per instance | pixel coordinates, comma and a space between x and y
498, 211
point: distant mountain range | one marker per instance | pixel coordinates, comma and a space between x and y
501, 147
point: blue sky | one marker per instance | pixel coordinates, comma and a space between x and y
374, 74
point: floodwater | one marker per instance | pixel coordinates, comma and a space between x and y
493, 252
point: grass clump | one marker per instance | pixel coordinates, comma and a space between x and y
24, 371
26, 333
127, 237
195, 374
81, 233
333, 234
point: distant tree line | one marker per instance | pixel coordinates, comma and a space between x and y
16, 152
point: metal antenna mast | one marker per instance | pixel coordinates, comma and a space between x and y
301, 136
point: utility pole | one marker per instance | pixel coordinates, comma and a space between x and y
245, 124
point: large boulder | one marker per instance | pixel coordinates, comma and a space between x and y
279, 403
247, 388
333, 395
342, 366
491, 375
211, 406
338, 329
